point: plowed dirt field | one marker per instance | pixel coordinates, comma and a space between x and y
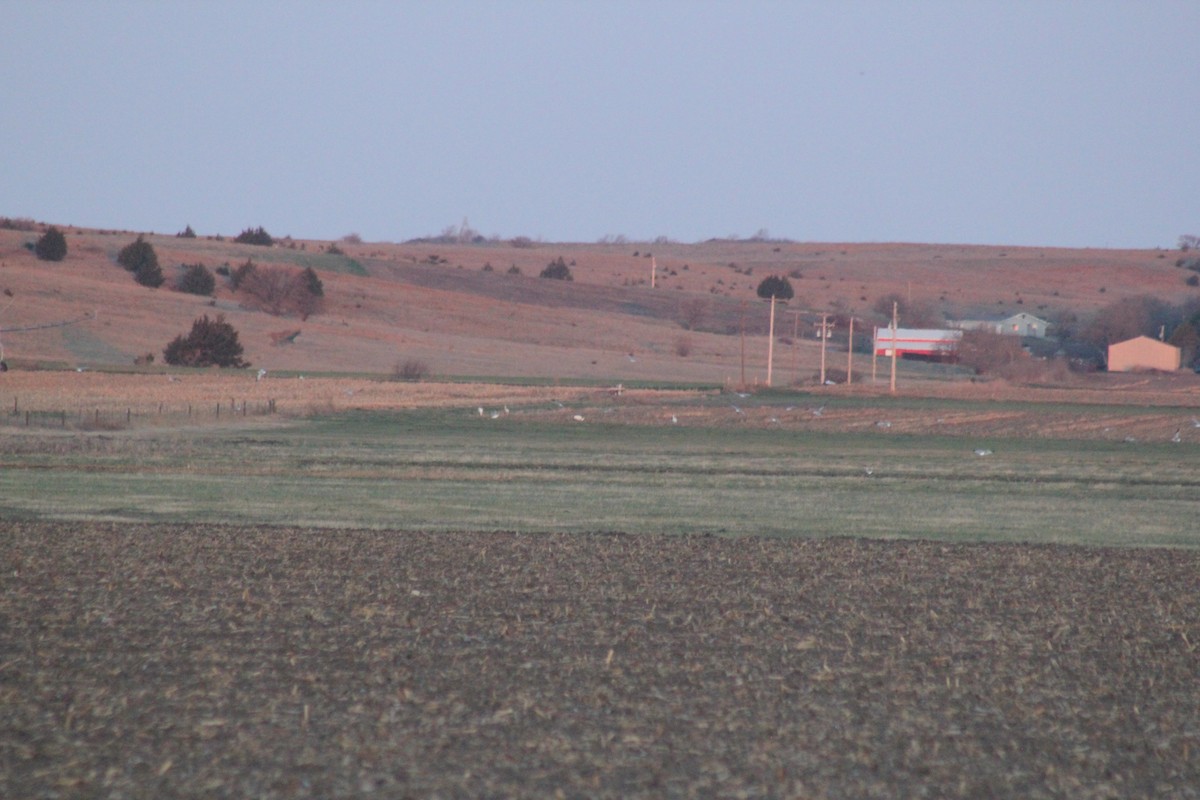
188, 661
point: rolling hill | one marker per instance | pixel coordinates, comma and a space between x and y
480, 309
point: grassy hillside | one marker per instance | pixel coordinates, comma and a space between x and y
465, 310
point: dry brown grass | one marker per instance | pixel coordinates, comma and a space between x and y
147, 396
466, 322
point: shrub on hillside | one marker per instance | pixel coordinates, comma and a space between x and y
255, 236
139, 258
558, 270
240, 273
211, 343
52, 246
412, 369
186, 233
313, 283
196, 279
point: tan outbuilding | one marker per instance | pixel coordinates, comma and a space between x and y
1142, 352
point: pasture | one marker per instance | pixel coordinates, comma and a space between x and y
543, 459
378, 589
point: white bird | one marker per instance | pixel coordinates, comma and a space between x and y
982, 451
558, 403
736, 410
869, 472
632, 360
506, 409
674, 420
818, 411
262, 373
495, 415
172, 379
1195, 422
790, 408
883, 423
1177, 437
742, 395
578, 418
481, 411
773, 420
1130, 440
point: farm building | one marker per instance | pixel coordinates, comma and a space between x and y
1142, 352
928, 343
1022, 324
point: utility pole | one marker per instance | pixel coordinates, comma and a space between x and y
771, 343
742, 326
653, 271
796, 344
874, 356
824, 338
894, 315
850, 354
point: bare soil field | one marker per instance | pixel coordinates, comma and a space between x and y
190, 661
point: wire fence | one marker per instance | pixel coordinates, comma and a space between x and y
95, 417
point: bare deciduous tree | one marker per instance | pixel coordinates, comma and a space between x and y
692, 312
281, 291
984, 352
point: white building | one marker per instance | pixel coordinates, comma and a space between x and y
936, 343
1022, 324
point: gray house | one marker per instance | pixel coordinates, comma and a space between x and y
1021, 324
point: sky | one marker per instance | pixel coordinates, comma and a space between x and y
1021, 122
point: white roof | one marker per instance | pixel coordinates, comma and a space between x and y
918, 334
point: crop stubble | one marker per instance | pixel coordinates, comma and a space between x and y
220, 661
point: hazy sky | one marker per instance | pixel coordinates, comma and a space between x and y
1035, 123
